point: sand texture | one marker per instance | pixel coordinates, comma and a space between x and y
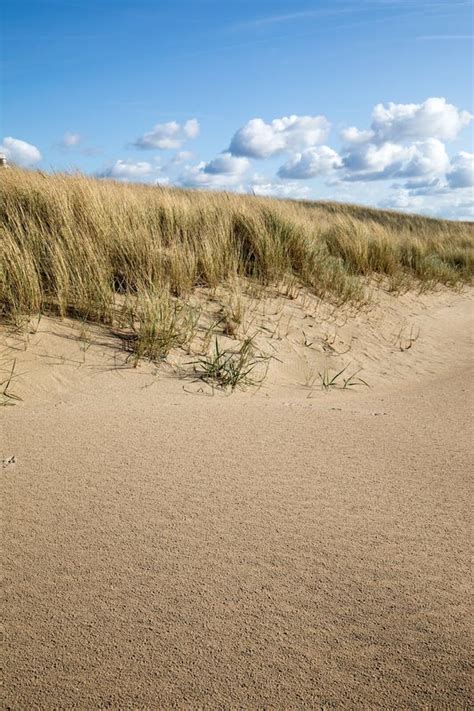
164, 547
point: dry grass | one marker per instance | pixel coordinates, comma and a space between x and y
155, 324
99, 250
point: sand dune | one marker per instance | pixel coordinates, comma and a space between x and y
286, 548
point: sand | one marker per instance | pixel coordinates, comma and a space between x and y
280, 549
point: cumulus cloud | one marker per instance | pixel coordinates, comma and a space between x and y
424, 186
168, 136
406, 141
371, 161
461, 173
449, 204
258, 139
392, 160
310, 163
196, 177
127, 170
396, 123
399, 123
182, 157
434, 118
457, 182
260, 185
426, 158
227, 164
19, 152
402, 199
222, 172
354, 136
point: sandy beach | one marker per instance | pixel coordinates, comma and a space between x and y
236, 355
169, 548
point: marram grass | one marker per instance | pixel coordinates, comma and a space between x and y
79, 246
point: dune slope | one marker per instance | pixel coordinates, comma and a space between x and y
167, 550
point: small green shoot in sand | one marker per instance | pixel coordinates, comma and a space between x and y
337, 381
7, 396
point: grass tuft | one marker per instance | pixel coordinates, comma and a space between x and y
7, 396
228, 369
330, 382
155, 324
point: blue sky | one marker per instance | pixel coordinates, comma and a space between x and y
262, 96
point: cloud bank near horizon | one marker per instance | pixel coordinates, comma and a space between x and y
405, 143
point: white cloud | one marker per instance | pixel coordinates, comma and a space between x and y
449, 194
69, 140
369, 159
434, 118
258, 139
163, 180
403, 200
354, 136
191, 128
223, 171
182, 157
168, 136
230, 172
456, 208
128, 170
263, 186
309, 163
461, 173
391, 160
404, 143
424, 186
19, 152
455, 205
74, 142
196, 177
227, 164
427, 158
405, 140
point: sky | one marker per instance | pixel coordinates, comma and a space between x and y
366, 101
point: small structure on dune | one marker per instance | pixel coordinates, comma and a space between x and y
3, 161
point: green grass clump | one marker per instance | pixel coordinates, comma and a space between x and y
228, 368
